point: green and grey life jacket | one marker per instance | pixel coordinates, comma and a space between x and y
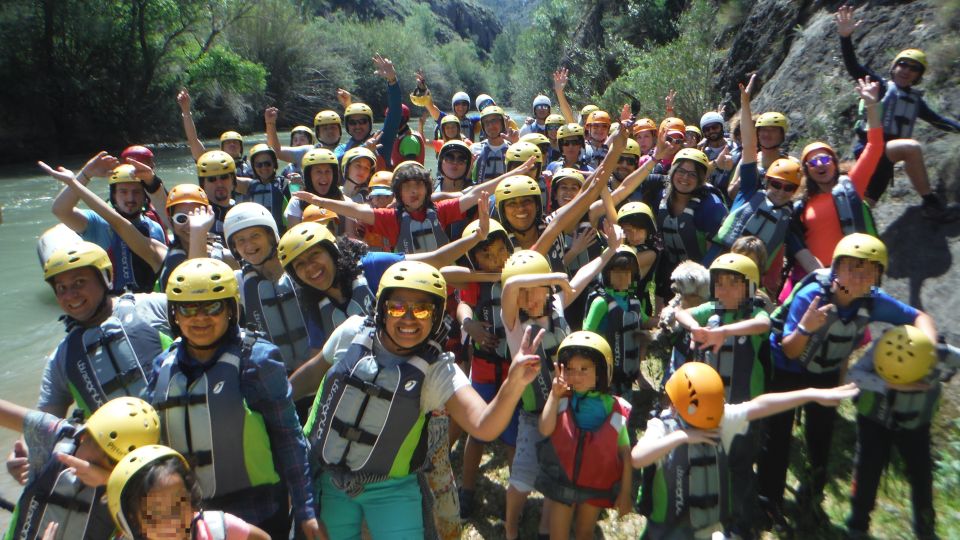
361, 302
899, 111
209, 422
274, 309
893, 409
738, 361
621, 333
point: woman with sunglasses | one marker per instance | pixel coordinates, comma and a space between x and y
571, 141
268, 189
902, 105
224, 404
389, 370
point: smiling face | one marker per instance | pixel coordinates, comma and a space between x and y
451, 131
321, 177
129, 197
779, 191
254, 244
565, 190
823, 170
713, 132
358, 126
182, 231
598, 132
316, 268
769, 136
167, 512
520, 213
201, 329
581, 374
905, 73
730, 290
407, 332
79, 292
460, 108
299, 139
625, 166
263, 166
685, 179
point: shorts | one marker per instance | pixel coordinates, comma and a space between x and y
391, 509
488, 391
526, 466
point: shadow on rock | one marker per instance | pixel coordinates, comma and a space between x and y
919, 250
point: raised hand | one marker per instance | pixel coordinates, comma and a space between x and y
816, 316
183, 100
100, 165
60, 174
724, 161
614, 234
373, 143
344, 98
142, 171
668, 101
483, 215
625, 112
560, 387
511, 135
384, 67
845, 23
309, 198
746, 92
560, 78
583, 239
201, 219
869, 90
270, 115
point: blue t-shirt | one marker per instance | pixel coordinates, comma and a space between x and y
102, 234
885, 309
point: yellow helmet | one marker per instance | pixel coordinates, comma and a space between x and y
357, 152
695, 129
302, 237
202, 280
637, 208
304, 130
215, 163
318, 156
787, 169
916, 55
773, 119
862, 246
230, 136
326, 118
79, 255
491, 110
418, 276
496, 231
358, 108
449, 119
123, 174
696, 391
535, 138
422, 100
122, 425
586, 110
520, 152
554, 120
737, 264
632, 254
186, 193
632, 149
514, 187
694, 155
524, 262
597, 349
570, 130
128, 467
314, 214
904, 355
567, 173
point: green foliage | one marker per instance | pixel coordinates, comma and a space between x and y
947, 477
682, 65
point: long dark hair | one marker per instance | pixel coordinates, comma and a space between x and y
347, 265
144, 480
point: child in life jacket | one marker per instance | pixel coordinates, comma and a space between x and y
730, 334
153, 494
357, 167
687, 484
900, 379
380, 196
69, 463
584, 465
753, 248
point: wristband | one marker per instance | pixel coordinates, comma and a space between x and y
155, 186
803, 331
465, 321
83, 176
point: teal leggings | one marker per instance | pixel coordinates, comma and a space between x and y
392, 509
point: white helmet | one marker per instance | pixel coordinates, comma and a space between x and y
712, 117
481, 101
541, 100
246, 215
458, 97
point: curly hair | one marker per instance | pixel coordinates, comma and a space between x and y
347, 265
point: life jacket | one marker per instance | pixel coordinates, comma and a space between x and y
690, 485
896, 410
490, 163
622, 325
486, 366
584, 256
110, 360
718, 177
554, 255
595, 154
399, 158
56, 495
578, 465
854, 214
272, 197
274, 309
899, 108
832, 343
130, 271
738, 361
420, 236
646, 284
214, 523
681, 239
536, 393
177, 254
358, 399
361, 302
757, 217
209, 418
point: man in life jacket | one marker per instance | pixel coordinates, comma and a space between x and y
718, 149
217, 175
597, 129
489, 154
111, 340
225, 405
268, 189
70, 463
128, 196
537, 122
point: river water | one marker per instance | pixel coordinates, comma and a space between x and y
29, 329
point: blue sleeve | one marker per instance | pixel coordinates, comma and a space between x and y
710, 215
937, 121
794, 242
748, 184
156, 231
890, 310
391, 123
801, 301
316, 337
376, 263
97, 231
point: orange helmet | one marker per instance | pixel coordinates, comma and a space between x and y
598, 117
184, 193
644, 124
696, 392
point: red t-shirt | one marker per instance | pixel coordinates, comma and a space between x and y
386, 222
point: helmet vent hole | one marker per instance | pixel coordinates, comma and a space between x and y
218, 288
216, 277
113, 435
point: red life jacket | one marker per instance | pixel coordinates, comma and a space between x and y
583, 466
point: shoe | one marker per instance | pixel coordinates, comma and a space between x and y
466, 502
773, 520
934, 209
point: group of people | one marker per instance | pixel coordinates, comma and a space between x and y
276, 352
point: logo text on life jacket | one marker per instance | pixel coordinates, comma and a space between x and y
91, 387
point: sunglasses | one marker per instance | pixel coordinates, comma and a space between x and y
782, 186
181, 218
916, 68
542, 107
420, 310
675, 140
456, 158
552, 128
629, 160
358, 122
216, 177
210, 309
819, 161
263, 164
570, 142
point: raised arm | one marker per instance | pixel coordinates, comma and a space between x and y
283, 152
360, 212
189, 128
65, 205
769, 404
559, 83
748, 130
158, 197
511, 291
587, 272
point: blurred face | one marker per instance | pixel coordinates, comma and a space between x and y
406, 330
329, 134
533, 300
358, 126
769, 137
234, 148
451, 131
598, 132
635, 235
492, 257
380, 201
413, 194
129, 197
254, 244
360, 170
79, 292
321, 177
647, 140
551, 133
570, 148
492, 126
454, 164
621, 279
299, 139
263, 166
685, 178
906, 72
856, 277
713, 132
822, 168
565, 190
167, 510
205, 323
730, 290
218, 188
316, 268
581, 374
541, 112
521, 212
460, 108
692, 139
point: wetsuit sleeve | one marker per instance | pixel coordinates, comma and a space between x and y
888, 309
596, 314
799, 306
385, 223
448, 211
937, 121
54, 390
866, 164
710, 215
391, 123
854, 68
748, 184
266, 390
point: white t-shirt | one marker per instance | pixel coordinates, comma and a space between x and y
733, 423
515, 336
442, 380
293, 209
